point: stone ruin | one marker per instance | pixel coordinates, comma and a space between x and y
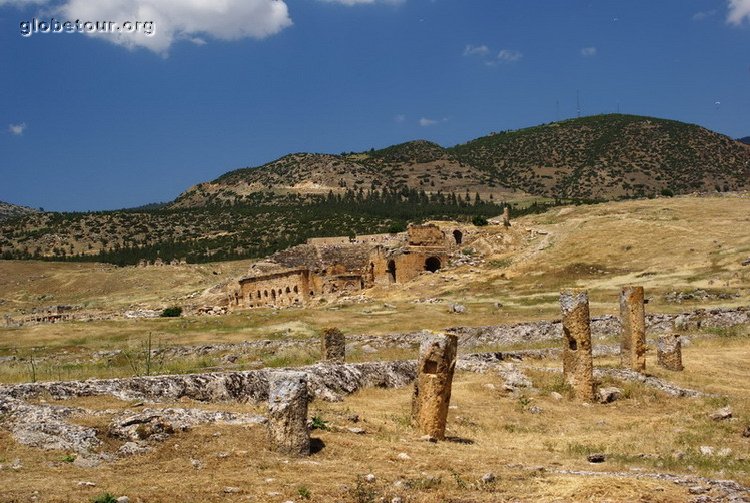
331, 266
578, 365
506, 216
287, 413
432, 388
669, 352
333, 346
633, 318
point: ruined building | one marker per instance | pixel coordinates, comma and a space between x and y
325, 266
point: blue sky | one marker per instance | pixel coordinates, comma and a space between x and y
103, 122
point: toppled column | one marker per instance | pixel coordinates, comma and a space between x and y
333, 345
432, 388
287, 413
506, 216
578, 366
669, 352
633, 318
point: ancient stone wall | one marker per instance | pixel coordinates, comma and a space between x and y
426, 235
281, 289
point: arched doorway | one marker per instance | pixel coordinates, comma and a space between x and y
432, 264
392, 271
458, 236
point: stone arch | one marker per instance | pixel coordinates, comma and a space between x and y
288, 290
458, 236
265, 293
392, 271
273, 294
432, 264
296, 290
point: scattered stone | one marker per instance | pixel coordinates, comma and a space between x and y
222, 455
428, 438
370, 478
746, 433
85, 483
397, 499
535, 410
488, 478
403, 456
556, 396
196, 463
458, 308
698, 490
231, 490
609, 394
87, 461
133, 448
596, 458
123, 499
706, 450
722, 414
353, 418
356, 431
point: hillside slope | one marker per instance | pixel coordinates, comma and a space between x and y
598, 157
611, 156
8, 210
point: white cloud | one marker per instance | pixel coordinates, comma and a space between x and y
400, 118
425, 122
738, 11
476, 50
700, 16
17, 129
588, 52
509, 55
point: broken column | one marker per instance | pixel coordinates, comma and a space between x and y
287, 413
669, 352
578, 367
633, 319
432, 388
333, 345
506, 216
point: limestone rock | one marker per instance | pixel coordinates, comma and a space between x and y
287, 413
608, 394
722, 414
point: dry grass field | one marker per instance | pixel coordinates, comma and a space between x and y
672, 246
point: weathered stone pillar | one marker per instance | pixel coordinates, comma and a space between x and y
432, 389
669, 352
506, 216
287, 413
578, 366
333, 345
633, 319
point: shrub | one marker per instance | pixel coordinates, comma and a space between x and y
479, 220
172, 312
667, 192
105, 498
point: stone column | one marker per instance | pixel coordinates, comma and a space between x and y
669, 352
506, 216
287, 413
578, 366
633, 319
333, 345
432, 388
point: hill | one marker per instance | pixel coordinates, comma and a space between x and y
600, 157
8, 210
745, 140
610, 157
419, 165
